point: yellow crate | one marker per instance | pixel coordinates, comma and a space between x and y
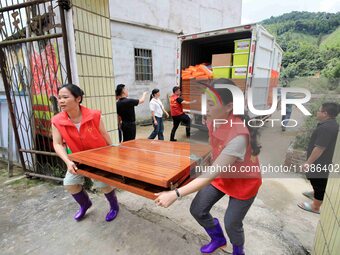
221, 71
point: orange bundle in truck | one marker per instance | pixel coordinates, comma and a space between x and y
199, 72
203, 77
187, 77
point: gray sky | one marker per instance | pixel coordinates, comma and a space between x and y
258, 10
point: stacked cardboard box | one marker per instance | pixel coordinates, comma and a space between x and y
221, 65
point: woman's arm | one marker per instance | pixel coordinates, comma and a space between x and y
60, 150
104, 133
166, 113
166, 198
154, 118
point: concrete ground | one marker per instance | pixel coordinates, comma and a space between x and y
36, 216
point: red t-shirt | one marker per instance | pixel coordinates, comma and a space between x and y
176, 108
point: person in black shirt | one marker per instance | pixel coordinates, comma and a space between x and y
126, 112
319, 155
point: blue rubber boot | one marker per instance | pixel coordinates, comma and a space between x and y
217, 238
238, 250
85, 203
114, 208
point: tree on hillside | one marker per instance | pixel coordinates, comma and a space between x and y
300, 34
305, 22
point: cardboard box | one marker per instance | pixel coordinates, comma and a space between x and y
221, 59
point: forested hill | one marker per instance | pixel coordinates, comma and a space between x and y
304, 22
311, 42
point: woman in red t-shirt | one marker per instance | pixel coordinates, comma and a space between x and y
78, 128
233, 145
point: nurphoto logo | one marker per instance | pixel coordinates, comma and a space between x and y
241, 99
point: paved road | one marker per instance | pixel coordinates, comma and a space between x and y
36, 218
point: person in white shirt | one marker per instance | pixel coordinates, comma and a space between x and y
157, 109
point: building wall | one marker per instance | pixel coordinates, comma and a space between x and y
4, 130
327, 238
4, 122
155, 25
93, 48
179, 15
2, 88
163, 46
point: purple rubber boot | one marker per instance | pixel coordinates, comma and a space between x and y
114, 208
238, 250
217, 238
85, 203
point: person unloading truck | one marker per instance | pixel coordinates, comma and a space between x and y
235, 146
126, 111
177, 114
77, 128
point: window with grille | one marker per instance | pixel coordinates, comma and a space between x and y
143, 65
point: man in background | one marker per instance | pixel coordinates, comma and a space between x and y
319, 155
126, 112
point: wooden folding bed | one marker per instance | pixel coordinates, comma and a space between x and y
143, 166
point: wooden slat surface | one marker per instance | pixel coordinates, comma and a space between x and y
142, 191
156, 162
139, 188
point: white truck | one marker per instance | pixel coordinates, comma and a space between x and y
263, 68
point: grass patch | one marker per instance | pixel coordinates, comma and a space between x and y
26, 183
22, 183
306, 38
314, 85
332, 40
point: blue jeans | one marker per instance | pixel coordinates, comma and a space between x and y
157, 129
286, 117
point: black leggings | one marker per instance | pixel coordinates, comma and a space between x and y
176, 121
234, 215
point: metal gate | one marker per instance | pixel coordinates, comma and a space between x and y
34, 61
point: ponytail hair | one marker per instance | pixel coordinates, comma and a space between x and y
227, 97
153, 92
253, 133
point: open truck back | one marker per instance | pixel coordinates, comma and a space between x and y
256, 62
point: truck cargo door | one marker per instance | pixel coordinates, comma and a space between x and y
262, 68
